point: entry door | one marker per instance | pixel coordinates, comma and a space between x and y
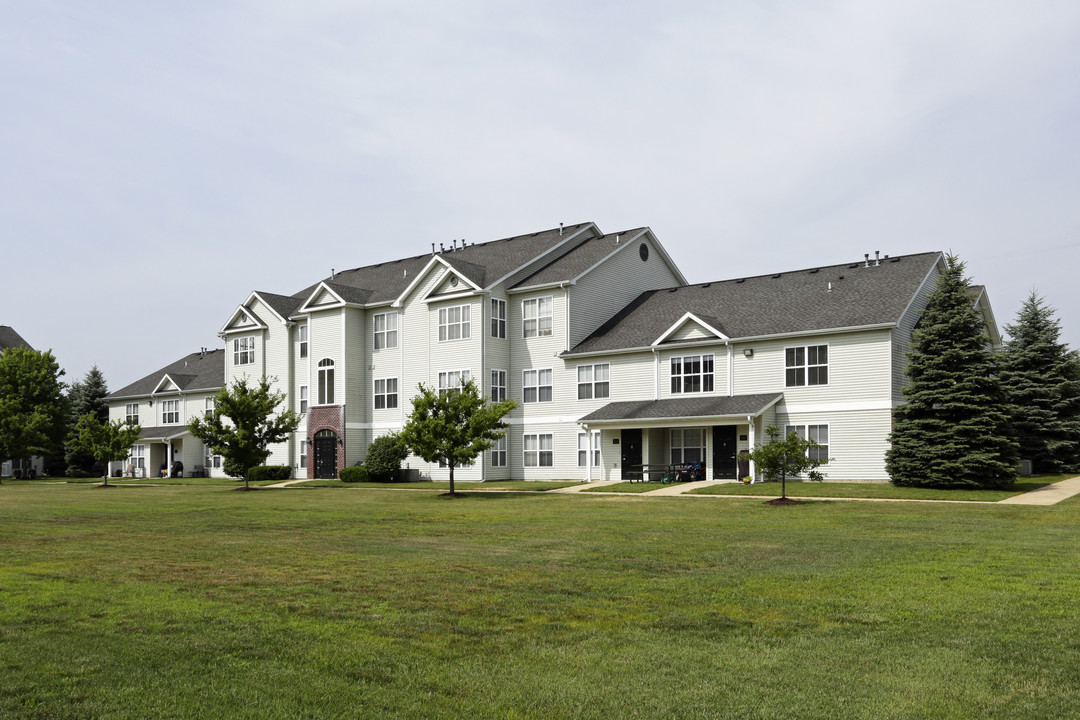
326, 455
631, 453
724, 462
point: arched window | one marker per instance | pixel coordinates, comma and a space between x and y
326, 381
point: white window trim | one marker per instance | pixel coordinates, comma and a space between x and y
539, 451
682, 446
592, 447
802, 430
701, 376
244, 350
131, 413
302, 333
498, 318
388, 334
165, 410
445, 385
305, 399
386, 394
464, 323
498, 385
327, 390
536, 385
498, 453
805, 367
537, 316
592, 382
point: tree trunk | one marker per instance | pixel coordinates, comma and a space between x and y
451, 464
246, 480
783, 485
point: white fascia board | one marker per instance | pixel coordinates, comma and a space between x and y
165, 379
255, 295
982, 303
306, 307
911, 300
557, 285
587, 227
246, 312
435, 261
687, 317
456, 296
471, 290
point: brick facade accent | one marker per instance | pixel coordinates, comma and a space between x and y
325, 417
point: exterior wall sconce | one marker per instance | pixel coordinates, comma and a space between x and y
748, 352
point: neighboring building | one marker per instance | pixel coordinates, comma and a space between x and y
163, 403
11, 339
614, 360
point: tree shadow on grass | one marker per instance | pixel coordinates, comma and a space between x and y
489, 495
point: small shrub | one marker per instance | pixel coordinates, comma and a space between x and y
355, 474
269, 472
384, 458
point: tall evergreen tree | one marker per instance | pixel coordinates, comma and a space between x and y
84, 396
1041, 377
954, 429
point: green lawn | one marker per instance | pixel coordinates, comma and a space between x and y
877, 490
195, 601
522, 485
628, 487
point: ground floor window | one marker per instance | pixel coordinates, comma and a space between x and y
210, 460
137, 457
303, 455
816, 433
498, 453
588, 444
538, 450
386, 394
687, 446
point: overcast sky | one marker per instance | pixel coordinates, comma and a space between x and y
160, 160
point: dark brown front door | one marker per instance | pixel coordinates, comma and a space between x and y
326, 454
724, 463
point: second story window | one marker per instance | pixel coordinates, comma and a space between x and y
498, 318
454, 323
451, 381
303, 398
131, 413
326, 381
536, 317
244, 350
303, 340
692, 374
208, 407
170, 412
385, 393
536, 386
498, 385
385, 328
806, 365
593, 381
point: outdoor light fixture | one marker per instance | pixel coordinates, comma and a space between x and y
748, 352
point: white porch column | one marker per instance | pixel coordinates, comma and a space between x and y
753, 434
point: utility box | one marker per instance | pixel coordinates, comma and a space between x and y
1025, 468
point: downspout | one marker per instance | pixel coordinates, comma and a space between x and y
730, 369
588, 453
753, 437
656, 374
485, 330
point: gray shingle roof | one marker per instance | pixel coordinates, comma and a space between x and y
283, 305
197, 371
481, 263
776, 304
683, 408
11, 339
163, 432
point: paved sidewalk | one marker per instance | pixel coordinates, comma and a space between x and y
287, 483
1046, 495
584, 486
678, 488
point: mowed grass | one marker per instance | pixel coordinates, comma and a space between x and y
886, 491
195, 601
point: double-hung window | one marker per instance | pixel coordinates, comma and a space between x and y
170, 412
538, 450
385, 328
386, 393
303, 456
303, 398
326, 381
815, 433
592, 381
131, 414
588, 449
137, 457
498, 385
807, 365
498, 318
244, 350
536, 317
454, 323
692, 374
210, 460
302, 333
498, 453
536, 385
451, 381
208, 407
687, 446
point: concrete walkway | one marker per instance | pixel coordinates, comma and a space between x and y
678, 488
584, 486
1047, 494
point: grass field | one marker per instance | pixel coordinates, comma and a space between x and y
196, 601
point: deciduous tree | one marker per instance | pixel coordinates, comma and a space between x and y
105, 442
791, 456
454, 426
953, 430
244, 424
31, 403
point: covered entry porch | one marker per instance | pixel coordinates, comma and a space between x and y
642, 440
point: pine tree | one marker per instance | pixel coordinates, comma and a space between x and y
954, 429
84, 396
1041, 377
